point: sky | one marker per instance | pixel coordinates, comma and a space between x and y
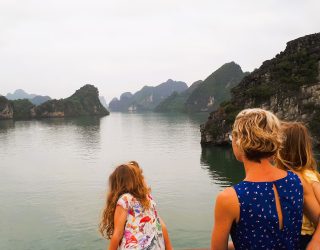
55, 47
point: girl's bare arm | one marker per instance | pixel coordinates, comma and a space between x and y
316, 190
120, 218
311, 208
166, 236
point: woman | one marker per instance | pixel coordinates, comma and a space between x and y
296, 155
265, 210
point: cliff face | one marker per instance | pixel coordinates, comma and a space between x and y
215, 88
123, 104
288, 85
6, 108
148, 98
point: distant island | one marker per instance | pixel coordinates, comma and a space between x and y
205, 96
33, 98
288, 85
176, 101
148, 98
176, 96
84, 102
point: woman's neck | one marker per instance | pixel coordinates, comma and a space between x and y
261, 171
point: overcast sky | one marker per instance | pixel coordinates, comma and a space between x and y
55, 47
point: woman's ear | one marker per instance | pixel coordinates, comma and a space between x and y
238, 153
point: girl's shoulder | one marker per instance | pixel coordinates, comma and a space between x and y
310, 175
152, 201
126, 200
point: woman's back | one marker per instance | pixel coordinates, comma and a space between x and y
259, 226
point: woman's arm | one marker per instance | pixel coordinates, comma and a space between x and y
166, 235
227, 210
120, 218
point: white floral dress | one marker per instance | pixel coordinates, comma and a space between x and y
143, 229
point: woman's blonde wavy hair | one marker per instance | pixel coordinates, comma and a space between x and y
257, 132
126, 178
296, 153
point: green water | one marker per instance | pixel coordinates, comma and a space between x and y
53, 177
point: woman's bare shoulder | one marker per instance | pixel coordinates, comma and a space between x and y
228, 200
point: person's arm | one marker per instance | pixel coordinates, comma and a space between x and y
166, 235
315, 242
120, 218
225, 213
311, 208
316, 190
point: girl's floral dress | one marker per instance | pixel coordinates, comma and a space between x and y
143, 228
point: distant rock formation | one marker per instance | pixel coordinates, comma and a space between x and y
123, 104
21, 94
84, 102
177, 101
23, 109
147, 98
288, 85
215, 89
103, 102
39, 99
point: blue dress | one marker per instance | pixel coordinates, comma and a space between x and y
258, 226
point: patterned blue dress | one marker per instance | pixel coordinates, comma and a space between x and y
258, 226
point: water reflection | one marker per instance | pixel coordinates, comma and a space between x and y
84, 131
6, 125
222, 166
84, 121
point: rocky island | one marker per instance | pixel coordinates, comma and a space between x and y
148, 98
288, 85
204, 96
84, 102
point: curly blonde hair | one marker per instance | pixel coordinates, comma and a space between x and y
257, 132
126, 178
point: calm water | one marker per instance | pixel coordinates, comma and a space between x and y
54, 175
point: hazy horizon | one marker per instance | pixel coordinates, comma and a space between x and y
54, 48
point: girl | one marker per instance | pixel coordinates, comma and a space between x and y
130, 219
296, 155
265, 210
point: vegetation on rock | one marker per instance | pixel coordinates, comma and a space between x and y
215, 89
288, 85
177, 101
84, 102
22, 109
